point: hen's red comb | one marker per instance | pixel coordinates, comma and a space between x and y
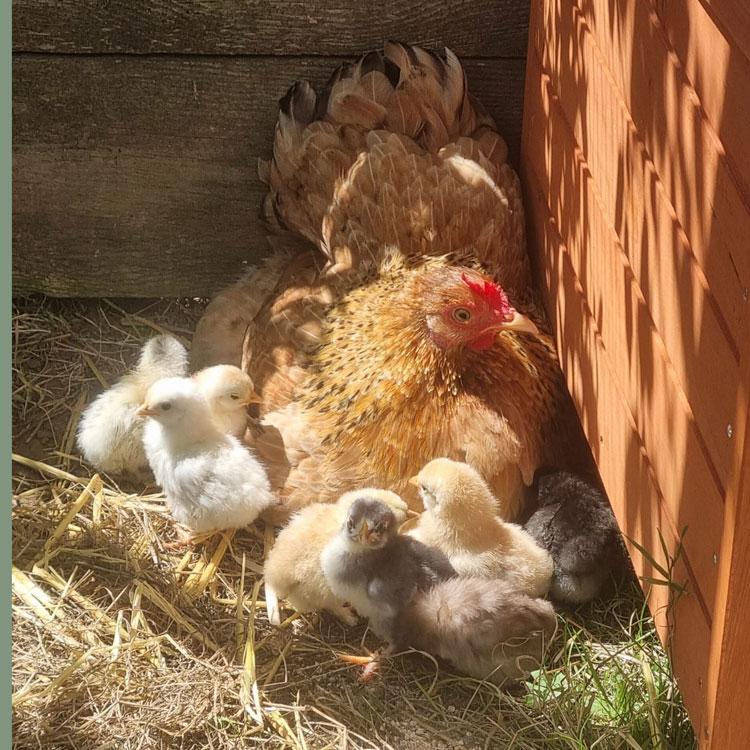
489, 291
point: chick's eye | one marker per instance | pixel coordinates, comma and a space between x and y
462, 315
234, 396
166, 406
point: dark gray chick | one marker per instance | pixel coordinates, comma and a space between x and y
377, 570
575, 524
410, 595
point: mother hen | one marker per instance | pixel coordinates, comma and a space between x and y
404, 332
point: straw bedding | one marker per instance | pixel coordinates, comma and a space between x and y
121, 642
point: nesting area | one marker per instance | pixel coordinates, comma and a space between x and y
121, 642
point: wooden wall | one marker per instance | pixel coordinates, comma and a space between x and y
137, 125
636, 161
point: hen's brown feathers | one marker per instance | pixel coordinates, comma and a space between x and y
397, 176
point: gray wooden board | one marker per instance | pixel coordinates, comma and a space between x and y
486, 28
137, 176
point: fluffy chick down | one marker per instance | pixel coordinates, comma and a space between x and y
575, 523
483, 628
461, 520
293, 570
228, 391
211, 481
110, 434
412, 597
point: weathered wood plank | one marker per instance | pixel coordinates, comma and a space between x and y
486, 28
137, 176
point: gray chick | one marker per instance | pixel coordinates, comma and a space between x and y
377, 570
575, 524
411, 596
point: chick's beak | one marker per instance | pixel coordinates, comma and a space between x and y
253, 398
364, 531
144, 411
414, 481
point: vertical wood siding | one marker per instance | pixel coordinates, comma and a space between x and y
636, 165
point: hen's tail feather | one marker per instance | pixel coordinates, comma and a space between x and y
403, 89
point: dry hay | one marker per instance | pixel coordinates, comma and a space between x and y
119, 641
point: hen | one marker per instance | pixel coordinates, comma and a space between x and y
408, 329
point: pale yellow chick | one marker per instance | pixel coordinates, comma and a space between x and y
293, 570
228, 391
460, 519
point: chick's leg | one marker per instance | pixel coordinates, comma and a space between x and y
346, 614
187, 538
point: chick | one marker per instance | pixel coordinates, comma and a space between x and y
575, 523
110, 435
211, 481
484, 628
228, 391
378, 571
293, 571
460, 519
407, 591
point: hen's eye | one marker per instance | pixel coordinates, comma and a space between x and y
234, 396
462, 315
166, 406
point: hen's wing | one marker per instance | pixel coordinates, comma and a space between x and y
395, 153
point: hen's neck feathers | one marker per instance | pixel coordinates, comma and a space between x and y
378, 367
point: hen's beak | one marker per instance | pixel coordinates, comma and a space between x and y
253, 398
414, 481
144, 411
363, 532
521, 324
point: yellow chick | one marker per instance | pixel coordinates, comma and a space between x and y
293, 570
460, 519
228, 391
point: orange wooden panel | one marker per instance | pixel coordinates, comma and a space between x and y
729, 719
624, 41
717, 70
555, 165
622, 459
635, 202
733, 18
637, 166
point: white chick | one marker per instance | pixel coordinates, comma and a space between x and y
211, 481
292, 570
228, 391
110, 435
461, 520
